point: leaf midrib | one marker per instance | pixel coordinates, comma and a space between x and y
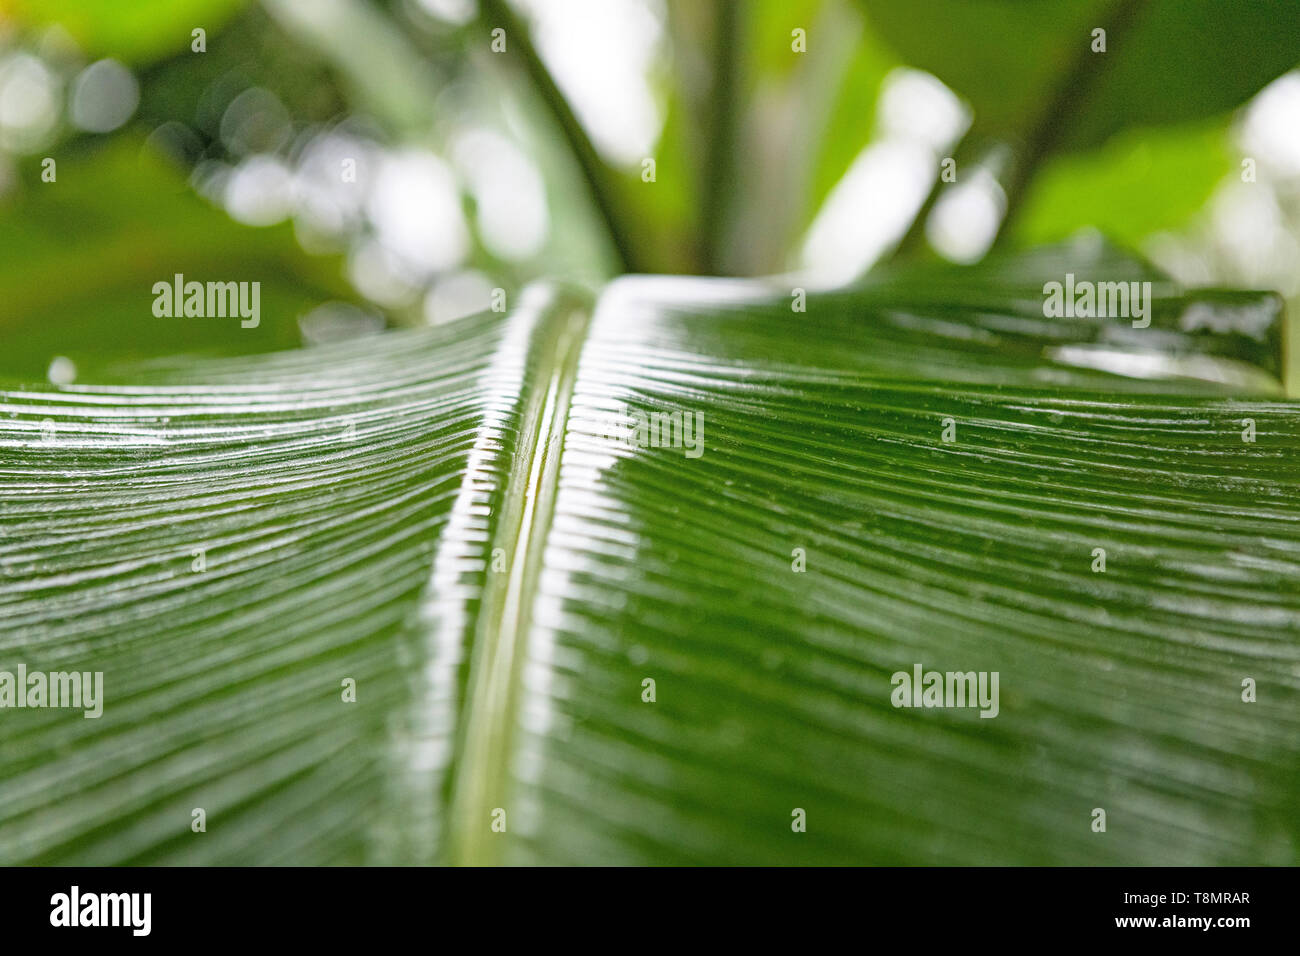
481, 778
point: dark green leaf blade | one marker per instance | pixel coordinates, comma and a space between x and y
1119, 690
501, 574
227, 555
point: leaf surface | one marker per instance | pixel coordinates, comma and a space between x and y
450, 518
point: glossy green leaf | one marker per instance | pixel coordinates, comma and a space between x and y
449, 518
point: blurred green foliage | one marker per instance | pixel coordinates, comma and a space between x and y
79, 270
1164, 61
759, 109
135, 32
1133, 186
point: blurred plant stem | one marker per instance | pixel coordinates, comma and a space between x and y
1039, 141
913, 242
722, 139
599, 177
1073, 89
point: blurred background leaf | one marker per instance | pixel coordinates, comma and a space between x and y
349, 503
1137, 184
1038, 81
79, 276
1164, 60
801, 138
136, 32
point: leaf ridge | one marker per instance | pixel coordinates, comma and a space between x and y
480, 781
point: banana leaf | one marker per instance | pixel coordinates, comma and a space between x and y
472, 594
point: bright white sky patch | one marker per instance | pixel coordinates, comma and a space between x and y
872, 205
601, 53
916, 105
258, 191
508, 191
415, 208
29, 101
965, 220
867, 210
1271, 131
